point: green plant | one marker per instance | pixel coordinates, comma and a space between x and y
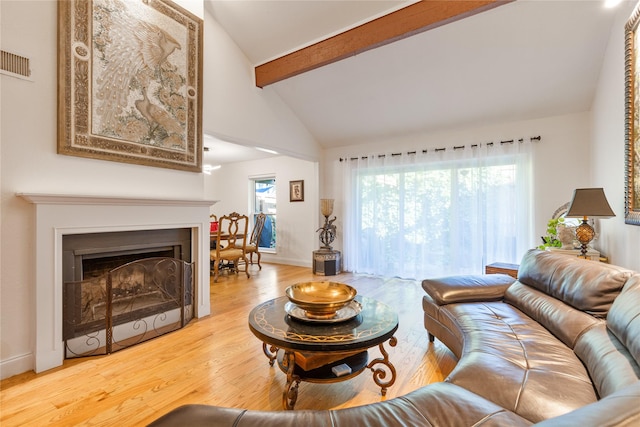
550, 240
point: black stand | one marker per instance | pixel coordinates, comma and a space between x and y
327, 262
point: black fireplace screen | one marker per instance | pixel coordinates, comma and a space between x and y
126, 305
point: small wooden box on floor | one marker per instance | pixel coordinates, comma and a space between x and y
502, 268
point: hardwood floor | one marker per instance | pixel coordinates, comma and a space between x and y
217, 360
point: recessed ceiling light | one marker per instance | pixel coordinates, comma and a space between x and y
266, 150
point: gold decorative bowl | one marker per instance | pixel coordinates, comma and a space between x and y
320, 300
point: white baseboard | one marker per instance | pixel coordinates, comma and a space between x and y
16, 365
287, 261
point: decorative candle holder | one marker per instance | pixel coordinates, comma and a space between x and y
326, 207
328, 230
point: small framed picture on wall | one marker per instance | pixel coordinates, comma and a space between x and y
296, 191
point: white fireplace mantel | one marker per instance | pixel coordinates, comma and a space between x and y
75, 199
61, 214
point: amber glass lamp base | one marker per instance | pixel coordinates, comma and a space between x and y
585, 234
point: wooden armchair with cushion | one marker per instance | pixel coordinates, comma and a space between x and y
231, 239
254, 242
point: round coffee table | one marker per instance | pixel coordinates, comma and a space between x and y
309, 350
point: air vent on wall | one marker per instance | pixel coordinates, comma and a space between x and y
14, 65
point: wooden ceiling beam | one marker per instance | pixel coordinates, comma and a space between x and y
413, 19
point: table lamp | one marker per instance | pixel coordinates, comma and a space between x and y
328, 230
588, 202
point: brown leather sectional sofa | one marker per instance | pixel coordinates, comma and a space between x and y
558, 347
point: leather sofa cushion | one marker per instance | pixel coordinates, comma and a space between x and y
525, 369
588, 286
467, 288
562, 320
440, 404
621, 409
609, 363
624, 318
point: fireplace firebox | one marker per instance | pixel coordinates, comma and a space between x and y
123, 288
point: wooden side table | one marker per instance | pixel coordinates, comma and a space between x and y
503, 268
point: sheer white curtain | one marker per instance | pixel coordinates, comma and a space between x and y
440, 212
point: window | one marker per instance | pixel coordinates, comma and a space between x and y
418, 219
264, 201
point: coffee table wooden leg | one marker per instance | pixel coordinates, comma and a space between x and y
379, 373
290, 394
271, 352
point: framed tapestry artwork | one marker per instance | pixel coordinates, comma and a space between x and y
130, 82
296, 191
632, 120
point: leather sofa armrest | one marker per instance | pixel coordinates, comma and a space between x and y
467, 288
196, 415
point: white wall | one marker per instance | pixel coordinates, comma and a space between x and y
559, 159
29, 163
296, 221
620, 241
237, 111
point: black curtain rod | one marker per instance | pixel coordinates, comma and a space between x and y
455, 147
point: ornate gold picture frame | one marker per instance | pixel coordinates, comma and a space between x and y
130, 82
632, 120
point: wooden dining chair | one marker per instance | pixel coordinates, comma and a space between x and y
231, 239
213, 230
254, 241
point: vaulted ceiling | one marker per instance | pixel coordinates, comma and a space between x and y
522, 60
